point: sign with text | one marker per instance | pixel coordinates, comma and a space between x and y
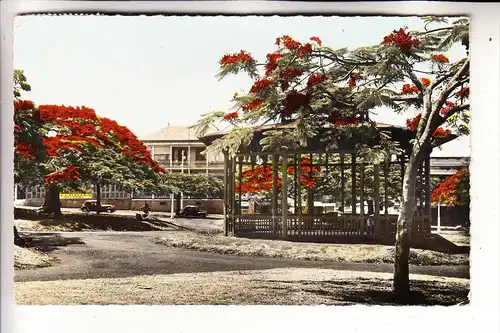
87, 195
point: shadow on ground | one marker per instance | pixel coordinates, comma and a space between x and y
93, 221
377, 292
49, 241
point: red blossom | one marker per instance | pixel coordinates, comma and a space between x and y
23, 105
401, 39
464, 92
449, 106
409, 89
425, 81
412, 89
317, 40
260, 178
284, 85
242, 57
441, 133
231, 116
305, 49
70, 173
339, 120
260, 85
272, 62
25, 149
253, 104
291, 73
453, 190
294, 101
315, 79
412, 123
440, 58
288, 42
352, 80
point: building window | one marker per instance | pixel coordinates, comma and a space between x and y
198, 154
162, 158
178, 152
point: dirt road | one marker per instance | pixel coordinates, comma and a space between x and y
89, 255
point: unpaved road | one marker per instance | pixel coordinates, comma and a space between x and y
89, 255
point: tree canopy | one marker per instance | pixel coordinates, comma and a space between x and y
320, 87
454, 190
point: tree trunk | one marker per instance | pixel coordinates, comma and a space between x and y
98, 197
18, 240
177, 204
52, 202
401, 284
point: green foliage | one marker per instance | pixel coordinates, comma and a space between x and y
194, 185
20, 83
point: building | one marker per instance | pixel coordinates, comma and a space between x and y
443, 167
178, 149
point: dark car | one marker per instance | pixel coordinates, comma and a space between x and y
193, 211
91, 206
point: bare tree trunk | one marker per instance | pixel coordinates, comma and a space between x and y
401, 283
177, 204
18, 240
98, 197
52, 201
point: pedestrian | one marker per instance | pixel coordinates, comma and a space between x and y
145, 209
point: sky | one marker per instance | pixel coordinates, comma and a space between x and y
149, 72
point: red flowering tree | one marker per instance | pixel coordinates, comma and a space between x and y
79, 149
316, 86
259, 179
453, 191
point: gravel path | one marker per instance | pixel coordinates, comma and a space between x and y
91, 255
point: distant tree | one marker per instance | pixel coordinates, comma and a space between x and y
72, 148
454, 190
192, 185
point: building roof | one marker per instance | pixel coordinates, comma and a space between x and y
399, 133
175, 133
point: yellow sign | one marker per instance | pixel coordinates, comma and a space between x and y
76, 195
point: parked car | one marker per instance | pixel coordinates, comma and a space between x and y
91, 206
193, 211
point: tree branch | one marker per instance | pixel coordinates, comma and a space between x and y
453, 111
400, 98
430, 118
455, 82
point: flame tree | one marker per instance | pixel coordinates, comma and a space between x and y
67, 147
454, 190
320, 87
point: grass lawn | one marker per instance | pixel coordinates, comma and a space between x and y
284, 286
304, 251
28, 258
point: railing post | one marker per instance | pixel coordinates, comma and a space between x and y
233, 194
284, 196
299, 196
376, 180
386, 196
362, 197
428, 202
225, 196
274, 200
